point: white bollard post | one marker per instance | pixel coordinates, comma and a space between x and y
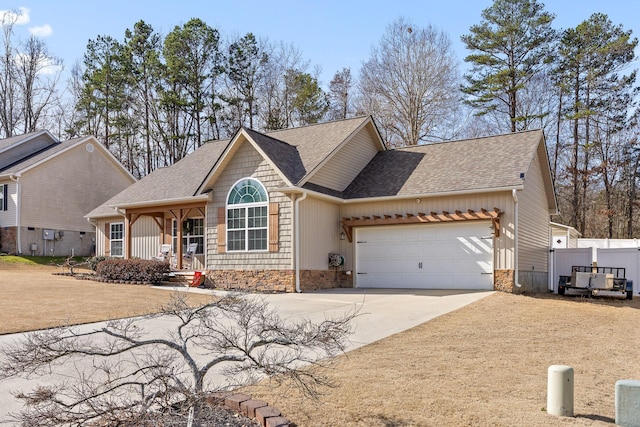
560, 391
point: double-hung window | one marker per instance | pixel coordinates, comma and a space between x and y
116, 239
247, 216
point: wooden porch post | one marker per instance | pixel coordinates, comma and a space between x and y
127, 233
179, 236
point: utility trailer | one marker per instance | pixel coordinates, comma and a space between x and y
596, 281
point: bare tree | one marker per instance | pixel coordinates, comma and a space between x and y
340, 95
38, 76
127, 375
410, 83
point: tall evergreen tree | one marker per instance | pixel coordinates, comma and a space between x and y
142, 53
598, 101
192, 55
244, 63
509, 47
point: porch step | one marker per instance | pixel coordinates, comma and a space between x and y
178, 278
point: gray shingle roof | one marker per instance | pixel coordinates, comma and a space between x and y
286, 157
181, 180
315, 142
4, 143
43, 154
472, 164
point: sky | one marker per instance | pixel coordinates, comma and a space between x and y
332, 34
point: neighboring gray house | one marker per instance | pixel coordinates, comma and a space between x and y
268, 210
46, 188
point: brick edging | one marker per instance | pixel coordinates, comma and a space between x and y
265, 415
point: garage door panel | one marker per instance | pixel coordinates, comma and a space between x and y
442, 256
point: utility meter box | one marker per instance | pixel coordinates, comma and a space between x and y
48, 234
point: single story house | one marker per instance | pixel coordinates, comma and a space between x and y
329, 205
46, 188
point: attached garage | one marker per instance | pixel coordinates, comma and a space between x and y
426, 256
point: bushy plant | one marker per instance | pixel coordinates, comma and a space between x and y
93, 261
133, 270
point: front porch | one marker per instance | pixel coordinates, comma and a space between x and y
191, 233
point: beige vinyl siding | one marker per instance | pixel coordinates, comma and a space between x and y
247, 162
345, 165
533, 222
145, 238
503, 245
59, 192
319, 233
8, 217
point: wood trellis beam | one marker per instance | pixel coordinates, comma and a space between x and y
421, 218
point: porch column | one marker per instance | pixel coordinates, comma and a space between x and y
127, 233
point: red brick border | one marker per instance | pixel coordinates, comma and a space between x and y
267, 416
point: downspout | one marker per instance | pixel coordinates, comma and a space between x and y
515, 239
16, 179
296, 221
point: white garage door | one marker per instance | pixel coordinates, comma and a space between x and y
443, 256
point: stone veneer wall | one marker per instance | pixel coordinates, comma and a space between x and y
324, 279
535, 282
252, 280
503, 280
277, 280
8, 239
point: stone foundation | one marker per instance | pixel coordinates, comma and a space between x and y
311, 280
277, 280
8, 239
532, 282
503, 280
252, 280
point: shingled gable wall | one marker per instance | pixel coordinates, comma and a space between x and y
250, 270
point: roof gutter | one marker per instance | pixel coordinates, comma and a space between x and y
296, 222
176, 201
299, 190
16, 179
515, 239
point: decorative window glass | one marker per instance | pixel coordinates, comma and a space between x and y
247, 216
116, 239
192, 232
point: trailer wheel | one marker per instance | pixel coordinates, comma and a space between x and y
629, 294
560, 290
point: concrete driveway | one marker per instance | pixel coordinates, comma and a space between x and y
382, 313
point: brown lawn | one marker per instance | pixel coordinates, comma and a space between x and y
483, 365
32, 297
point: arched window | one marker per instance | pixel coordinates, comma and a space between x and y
247, 216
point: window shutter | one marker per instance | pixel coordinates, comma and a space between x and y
5, 197
107, 239
222, 230
273, 227
168, 232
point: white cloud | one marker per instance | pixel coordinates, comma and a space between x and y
41, 31
19, 17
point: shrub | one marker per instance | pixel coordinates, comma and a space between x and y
93, 261
133, 270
